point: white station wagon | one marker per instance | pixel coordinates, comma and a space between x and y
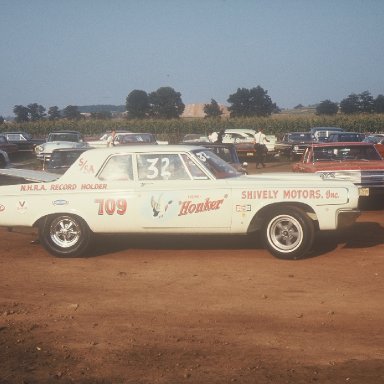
175, 189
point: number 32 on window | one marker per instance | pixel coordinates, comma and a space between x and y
111, 206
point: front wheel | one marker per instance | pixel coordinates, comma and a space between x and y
288, 233
65, 235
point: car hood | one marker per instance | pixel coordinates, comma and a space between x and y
307, 143
288, 180
97, 143
297, 142
368, 165
286, 176
51, 145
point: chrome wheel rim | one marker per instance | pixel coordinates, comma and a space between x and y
285, 233
65, 232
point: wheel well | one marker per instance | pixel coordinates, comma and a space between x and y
259, 218
37, 223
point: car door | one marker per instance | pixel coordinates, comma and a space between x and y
114, 201
177, 197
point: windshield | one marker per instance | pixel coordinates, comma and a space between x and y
300, 137
63, 137
346, 153
139, 138
217, 166
374, 139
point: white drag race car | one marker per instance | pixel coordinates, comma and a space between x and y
175, 189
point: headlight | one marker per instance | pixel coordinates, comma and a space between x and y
39, 149
296, 148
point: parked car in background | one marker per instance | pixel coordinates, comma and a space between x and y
247, 151
244, 140
322, 133
195, 138
59, 139
176, 189
102, 142
346, 137
62, 158
358, 162
125, 138
6, 146
233, 136
249, 132
378, 140
271, 145
135, 138
23, 140
293, 144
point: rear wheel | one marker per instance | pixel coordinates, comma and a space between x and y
65, 235
288, 233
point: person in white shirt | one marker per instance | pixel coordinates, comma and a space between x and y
213, 137
111, 139
260, 147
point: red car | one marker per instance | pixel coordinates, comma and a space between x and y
359, 162
378, 140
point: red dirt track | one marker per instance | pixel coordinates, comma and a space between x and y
194, 310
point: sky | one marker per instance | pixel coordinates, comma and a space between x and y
86, 52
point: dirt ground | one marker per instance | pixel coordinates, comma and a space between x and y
194, 310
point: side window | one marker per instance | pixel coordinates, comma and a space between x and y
161, 166
118, 167
193, 169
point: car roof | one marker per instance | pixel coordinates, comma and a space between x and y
345, 133
240, 130
106, 151
97, 156
3, 133
313, 129
65, 131
209, 144
298, 133
72, 149
126, 133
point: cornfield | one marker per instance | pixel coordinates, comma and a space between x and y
174, 130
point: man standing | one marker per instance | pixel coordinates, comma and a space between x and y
111, 139
260, 147
220, 136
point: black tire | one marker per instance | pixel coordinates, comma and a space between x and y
65, 235
288, 233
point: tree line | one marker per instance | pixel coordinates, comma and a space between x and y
166, 103
353, 104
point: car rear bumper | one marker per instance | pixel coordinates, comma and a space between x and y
347, 218
43, 156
